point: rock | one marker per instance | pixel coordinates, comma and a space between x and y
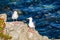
4, 16
20, 31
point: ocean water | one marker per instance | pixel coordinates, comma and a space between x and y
45, 14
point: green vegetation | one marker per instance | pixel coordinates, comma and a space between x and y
3, 36
1, 28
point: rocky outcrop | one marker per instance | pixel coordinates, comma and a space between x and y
4, 16
20, 31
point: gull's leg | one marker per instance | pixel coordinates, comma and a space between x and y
16, 19
13, 20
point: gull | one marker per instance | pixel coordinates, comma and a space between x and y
31, 23
31, 26
15, 15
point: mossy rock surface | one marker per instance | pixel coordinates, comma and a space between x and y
5, 36
2, 23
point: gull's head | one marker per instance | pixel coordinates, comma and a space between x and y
15, 12
30, 18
